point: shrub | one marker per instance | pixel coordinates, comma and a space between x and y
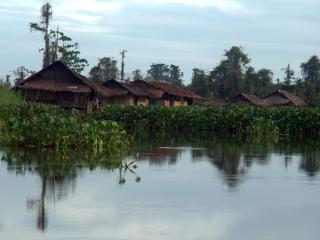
50, 126
240, 121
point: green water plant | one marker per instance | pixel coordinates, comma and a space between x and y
37, 125
247, 122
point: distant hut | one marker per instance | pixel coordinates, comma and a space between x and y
126, 93
247, 100
283, 98
213, 102
166, 94
59, 85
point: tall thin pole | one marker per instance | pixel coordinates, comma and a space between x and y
123, 55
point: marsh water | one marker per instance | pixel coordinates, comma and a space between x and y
190, 188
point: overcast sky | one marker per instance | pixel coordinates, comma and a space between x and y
188, 33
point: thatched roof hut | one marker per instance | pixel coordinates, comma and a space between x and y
59, 85
168, 93
247, 100
127, 93
212, 102
283, 98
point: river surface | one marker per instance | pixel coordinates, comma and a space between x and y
179, 190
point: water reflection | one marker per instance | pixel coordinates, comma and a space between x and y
231, 161
231, 158
58, 171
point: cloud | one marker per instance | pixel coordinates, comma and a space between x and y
148, 224
230, 6
87, 13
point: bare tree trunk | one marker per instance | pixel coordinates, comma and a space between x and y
123, 55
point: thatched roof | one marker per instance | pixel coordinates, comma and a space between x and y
241, 99
283, 98
125, 87
167, 88
53, 78
214, 102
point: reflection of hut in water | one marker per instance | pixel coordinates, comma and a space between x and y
161, 156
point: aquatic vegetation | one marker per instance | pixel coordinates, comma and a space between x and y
246, 122
38, 125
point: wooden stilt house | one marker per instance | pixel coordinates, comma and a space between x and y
59, 85
283, 98
126, 93
165, 94
247, 100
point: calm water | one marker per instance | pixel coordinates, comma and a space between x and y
188, 190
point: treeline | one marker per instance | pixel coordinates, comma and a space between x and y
234, 75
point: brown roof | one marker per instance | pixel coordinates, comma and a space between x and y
286, 99
251, 99
51, 84
214, 102
152, 91
170, 88
126, 87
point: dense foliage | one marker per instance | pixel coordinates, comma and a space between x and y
247, 122
40, 125
8, 96
106, 69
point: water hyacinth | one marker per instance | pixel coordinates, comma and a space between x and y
232, 120
39, 125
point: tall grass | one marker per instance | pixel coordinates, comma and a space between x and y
8, 96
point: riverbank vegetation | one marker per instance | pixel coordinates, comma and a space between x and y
38, 125
7, 96
244, 122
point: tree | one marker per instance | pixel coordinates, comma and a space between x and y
311, 70
311, 75
105, 70
250, 81
228, 76
5, 82
68, 52
159, 71
264, 82
137, 74
288, 79
164, 72
20, 74
200, 83
123, 55
176, 75
58, 46
43, 27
